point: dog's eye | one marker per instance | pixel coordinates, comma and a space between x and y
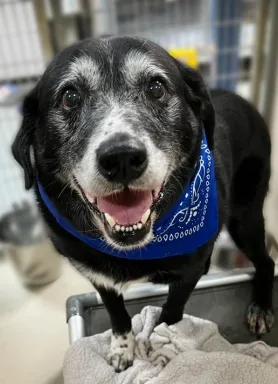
71, 98
156, 89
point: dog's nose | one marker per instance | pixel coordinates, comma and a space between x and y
122, 159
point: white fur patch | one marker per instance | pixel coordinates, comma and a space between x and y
85, 68
137, 63
101, 280
122, 350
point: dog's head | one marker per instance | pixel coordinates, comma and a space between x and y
119, 122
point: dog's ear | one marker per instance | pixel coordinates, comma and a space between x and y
21, 147
198, 96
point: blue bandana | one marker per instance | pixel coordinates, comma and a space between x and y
191, 223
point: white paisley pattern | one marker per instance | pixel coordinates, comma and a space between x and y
190, 218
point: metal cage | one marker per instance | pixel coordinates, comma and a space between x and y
221, 34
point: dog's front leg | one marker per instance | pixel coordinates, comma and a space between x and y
122, 339
179, 293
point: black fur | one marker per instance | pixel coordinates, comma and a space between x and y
241, 147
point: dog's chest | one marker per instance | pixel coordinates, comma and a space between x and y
101, 280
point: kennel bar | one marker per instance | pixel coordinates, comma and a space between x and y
226, 21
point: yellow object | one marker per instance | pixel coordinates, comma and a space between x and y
187, 55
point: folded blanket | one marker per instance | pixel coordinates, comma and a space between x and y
191, 351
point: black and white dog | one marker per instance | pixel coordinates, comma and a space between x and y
119, 131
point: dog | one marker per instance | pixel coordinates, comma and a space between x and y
137, 167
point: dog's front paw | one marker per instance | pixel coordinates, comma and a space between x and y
122, 351
259, 320
169, 317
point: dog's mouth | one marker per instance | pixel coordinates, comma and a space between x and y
127, 216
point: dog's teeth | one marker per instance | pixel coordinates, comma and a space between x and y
123, 228
110, 220
145, 216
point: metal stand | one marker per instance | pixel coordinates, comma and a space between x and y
77, 305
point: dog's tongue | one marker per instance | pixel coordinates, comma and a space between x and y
126, 207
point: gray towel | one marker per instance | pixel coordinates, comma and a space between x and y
191, 351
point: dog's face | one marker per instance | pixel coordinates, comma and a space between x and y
119, 122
